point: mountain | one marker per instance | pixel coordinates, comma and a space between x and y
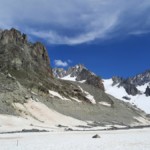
131, 84
134, 90
79, 73
32, 98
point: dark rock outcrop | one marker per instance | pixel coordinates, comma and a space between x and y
116, 80
147, 92
90, 78
20, 57
126, 84
126, 98
96, 136
130, 88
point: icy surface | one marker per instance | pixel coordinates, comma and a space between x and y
141, 101
110, 140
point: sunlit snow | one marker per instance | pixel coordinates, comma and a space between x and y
110, 140
140, 100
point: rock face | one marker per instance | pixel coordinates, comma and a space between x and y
90, 78
18, 55
130, 88
80, 73
147, 92
126, 84
141, 79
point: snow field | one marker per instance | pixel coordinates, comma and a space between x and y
141, 101
110, 140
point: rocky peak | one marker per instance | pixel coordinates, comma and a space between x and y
12, 36
130, 84
75, 71
141, 79
59, 72
117, 80
18, 55
72, 71
80, 73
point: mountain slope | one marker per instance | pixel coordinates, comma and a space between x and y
140, 100
30, 97
134, 90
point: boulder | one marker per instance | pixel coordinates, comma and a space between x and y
96, 136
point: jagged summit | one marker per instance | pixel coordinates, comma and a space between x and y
71, 71
141, 79
131, 84
135, 90
12, 36
79, 73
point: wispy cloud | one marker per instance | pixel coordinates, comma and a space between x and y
75, 22
139, 32
60, 63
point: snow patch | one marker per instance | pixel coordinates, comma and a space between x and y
142, 120
75, 99
88, 96
56, 94
91, 98
69, 78
105, 104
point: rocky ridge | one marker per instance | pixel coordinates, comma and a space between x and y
131, 84
79, 73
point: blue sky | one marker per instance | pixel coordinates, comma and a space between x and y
125, 57
110, 37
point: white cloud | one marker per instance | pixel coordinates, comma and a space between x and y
69, 61
76, 21
60, 63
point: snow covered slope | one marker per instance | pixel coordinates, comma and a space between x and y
140, 100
